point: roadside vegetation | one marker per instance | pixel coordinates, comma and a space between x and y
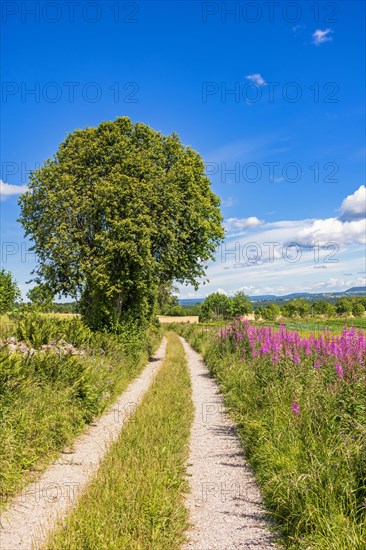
56, 375
136, 499
300, 406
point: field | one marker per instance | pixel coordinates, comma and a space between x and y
166, 319
300, 406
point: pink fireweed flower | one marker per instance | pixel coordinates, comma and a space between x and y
316, 364
339, 371
295, 408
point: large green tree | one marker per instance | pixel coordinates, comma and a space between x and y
117, 212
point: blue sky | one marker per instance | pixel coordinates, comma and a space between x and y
272, 97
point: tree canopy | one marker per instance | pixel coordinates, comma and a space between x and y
9, 291
119, 211
219, 305
41, 297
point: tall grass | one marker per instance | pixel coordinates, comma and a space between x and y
301, 414
47, 397
136, 499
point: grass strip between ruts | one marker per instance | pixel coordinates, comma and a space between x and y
136, 500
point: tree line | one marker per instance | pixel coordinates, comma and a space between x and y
218, 306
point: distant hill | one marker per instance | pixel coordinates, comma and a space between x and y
356, 290
327, 296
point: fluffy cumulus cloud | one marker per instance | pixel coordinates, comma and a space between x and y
257, 79
319, 36
354, 206
232, 224
349, 227
8, 190
332, 230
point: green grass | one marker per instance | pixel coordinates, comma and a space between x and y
46, 399
308, 325
312, 468
136, 499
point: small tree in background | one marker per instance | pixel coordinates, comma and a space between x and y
240, 304
344, 306
216, 306
271, 312
41, 297
9, 291
358, 309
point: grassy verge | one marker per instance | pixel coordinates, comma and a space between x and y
136, 499
48, 395
304, 432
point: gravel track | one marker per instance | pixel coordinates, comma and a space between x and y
224, 504
30, 516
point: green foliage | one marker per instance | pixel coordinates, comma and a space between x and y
358, 309
216, 306
297, 307
47, 397
240, 304
41, 297
220, 306
300, 307
321, 307
344, 306
118, 211
271, 312
9, 291
175, 310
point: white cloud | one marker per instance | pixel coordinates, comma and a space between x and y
257, 79
319, 36
332, 230
258, 256
354, 206
232, 224
8, 190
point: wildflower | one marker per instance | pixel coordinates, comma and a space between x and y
316, 364
339, 371
295, 408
